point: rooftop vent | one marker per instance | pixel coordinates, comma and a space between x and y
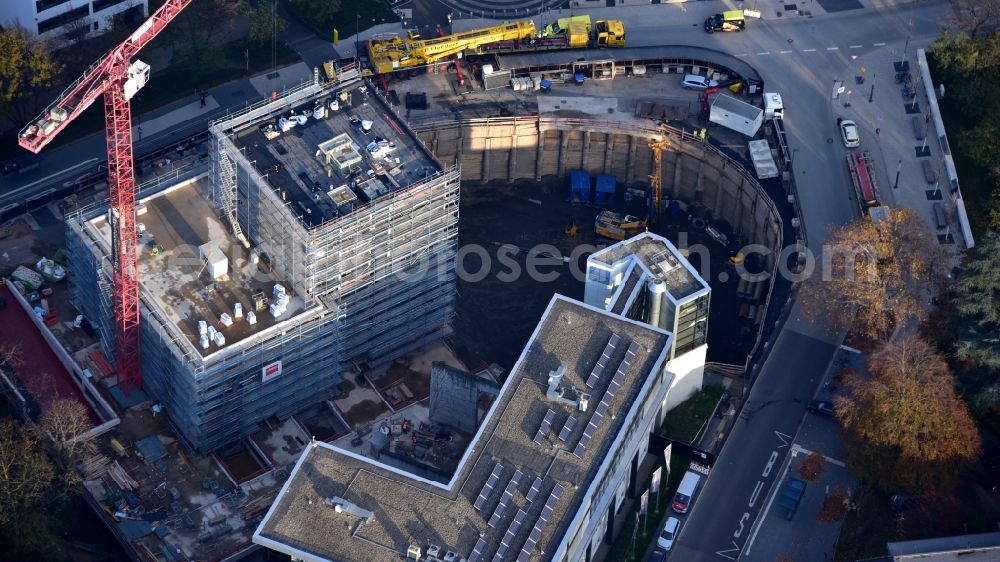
344, 507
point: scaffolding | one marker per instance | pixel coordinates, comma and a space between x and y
377, 282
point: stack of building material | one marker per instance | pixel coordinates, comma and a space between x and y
118, 474
280, 304
27, 278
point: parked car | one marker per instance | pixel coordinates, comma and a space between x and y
658, 555
666, 538
696, 82
685, 491
822, 408
849, 133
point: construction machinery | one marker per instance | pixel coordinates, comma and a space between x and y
573, 35
389, 54
617, 226
117, 78
561, 25
655, 179
735, 86
730, 20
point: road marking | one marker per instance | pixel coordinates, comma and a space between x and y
809, 50
726, 553
880, 44
743, 55
850, 349
786, 52
761, 517
796, 449
832, 48
765, 53
856, 46
784, 438
47, 178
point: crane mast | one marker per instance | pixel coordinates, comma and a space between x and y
118, 79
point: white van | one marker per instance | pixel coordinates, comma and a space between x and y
696, 82
682, 499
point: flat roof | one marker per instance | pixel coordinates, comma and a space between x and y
294, 163
410, 510
959, 547
661, 259
180, 219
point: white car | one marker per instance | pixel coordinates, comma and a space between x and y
696, 82
849, 132
669, 533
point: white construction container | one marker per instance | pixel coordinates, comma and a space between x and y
276, 310
216, 262
202, 327
226, 319
734, 114
763, 161
220, 340
203, 341
278, 290
237, 310
211, 332
251, 318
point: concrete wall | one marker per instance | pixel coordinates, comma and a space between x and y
513, 148
455, 397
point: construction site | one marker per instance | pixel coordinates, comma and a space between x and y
299, 276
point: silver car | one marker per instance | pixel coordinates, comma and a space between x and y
696, 82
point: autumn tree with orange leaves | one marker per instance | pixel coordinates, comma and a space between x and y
905, 427
876, 275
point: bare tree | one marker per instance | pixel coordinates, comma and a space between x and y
25, 471
66, 421
975, 17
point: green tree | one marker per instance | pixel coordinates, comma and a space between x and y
977, 305
264, 21
198, 34
26, 71
905, 428
317, 10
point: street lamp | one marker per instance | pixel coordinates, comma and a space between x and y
899, 167
871, 94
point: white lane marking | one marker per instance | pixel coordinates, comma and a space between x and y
726, 553
808, 50
880, 44
832, 48
850, 349
765, 53
48, 177
763, 515
856, 46
796, 450
786, 52
743, 55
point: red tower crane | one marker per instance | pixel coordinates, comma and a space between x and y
117, 78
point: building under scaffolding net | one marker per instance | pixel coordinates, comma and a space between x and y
321, 243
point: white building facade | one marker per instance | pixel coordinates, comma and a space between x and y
67, 19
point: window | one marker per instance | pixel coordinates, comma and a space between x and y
103, 4
64, 18
599, 275
41, 5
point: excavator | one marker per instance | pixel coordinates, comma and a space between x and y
617, 226
393, 53
735, 86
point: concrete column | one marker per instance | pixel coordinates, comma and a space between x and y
512, 159
608, 152
538, 151
677, 176
585, 158
630, 163
563, 142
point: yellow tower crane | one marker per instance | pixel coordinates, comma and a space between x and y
655, 180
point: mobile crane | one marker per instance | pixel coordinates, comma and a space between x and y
571, 35
117, 78
389, 54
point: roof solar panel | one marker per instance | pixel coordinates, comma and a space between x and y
602, 363
567, 428
508, 537
505, 499
536, 532
491, 483
536, 487
477, 551
543, 430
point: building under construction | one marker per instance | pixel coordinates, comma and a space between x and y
320, 243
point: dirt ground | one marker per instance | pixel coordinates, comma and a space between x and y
496, 317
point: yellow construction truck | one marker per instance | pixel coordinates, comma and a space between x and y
617, 226
389, 54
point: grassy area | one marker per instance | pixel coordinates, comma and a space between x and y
353, 14
684, 422
624, 549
